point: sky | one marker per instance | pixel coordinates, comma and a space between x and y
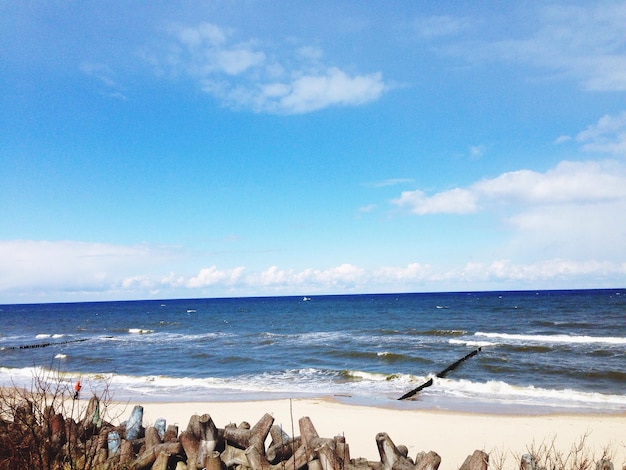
155, 150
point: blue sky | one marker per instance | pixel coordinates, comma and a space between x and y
209, 149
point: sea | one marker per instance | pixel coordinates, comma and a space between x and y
516, 352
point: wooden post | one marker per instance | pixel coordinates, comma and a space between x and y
57, 429
171, 433
126, 453
207, 433
307, 430
327, 457
113, 443
527, 462
213, 461
149, 456
152, 437
342, 449
479, 460
233, 456
255, 459
279, 436
190, 444
298, 460
161, 461
134, 427
160, 425
243, 437
427, 461
92, 421
443, 373
279, 452
390, 456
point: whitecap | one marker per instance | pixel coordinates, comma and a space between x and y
139, 331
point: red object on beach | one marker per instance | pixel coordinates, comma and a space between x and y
77, 388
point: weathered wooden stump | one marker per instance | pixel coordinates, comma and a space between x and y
113, 443
150, 455
479, 460
171, 433
160, 425
427, 461
390, 456
134, 425
213, 461
152, 438
527, 462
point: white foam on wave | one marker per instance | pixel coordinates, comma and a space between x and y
502, 391
554, 338
474, 344
139, 331
316, 382
60, 356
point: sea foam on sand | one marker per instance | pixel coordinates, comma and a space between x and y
453, 435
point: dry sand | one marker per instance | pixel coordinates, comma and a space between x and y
452, 435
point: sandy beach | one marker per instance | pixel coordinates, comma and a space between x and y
453, 435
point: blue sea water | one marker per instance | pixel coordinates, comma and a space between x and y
544, 351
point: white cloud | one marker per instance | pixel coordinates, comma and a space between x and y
552, 270
241, 75
567, 183
413, 272
584, 42
608, 135
105, 75
212, 276
40, 266
454, 201
329, 88
62, 271
440, 26
343, 275
572, 211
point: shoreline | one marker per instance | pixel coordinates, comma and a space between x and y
452, 434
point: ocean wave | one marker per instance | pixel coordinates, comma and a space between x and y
472, 343
443, 332
613, 340
502, 391
147, 335
311, 382
139, 331
48, 335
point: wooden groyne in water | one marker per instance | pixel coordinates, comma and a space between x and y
443, 373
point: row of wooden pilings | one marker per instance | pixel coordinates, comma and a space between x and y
202, 445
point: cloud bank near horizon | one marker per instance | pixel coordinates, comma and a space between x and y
541, 211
